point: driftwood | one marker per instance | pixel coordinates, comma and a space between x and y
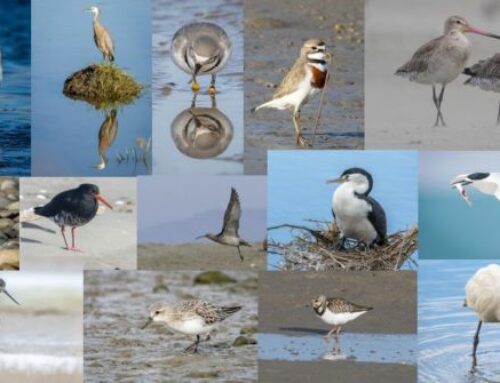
317, 249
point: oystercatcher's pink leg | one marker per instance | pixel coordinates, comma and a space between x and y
64, 237
73, 247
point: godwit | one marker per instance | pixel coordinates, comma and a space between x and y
337, 312
307, 75
358, 215
441, 60
199, 49
75, 207
102, 37
482, 294
193, 317
486, 75
229, 234
3, 290
487, 183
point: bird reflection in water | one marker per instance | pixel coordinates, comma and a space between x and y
202, 132
107, 135
335, 353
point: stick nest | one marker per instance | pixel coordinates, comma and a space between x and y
102, 85
317, 249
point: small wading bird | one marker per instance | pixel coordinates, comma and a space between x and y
337, 312
485, 74
193, 317
3, 290
482, 294
358, 216
74, 208
306, 77
201, 49
442, 60
229, 234
102, 37
487, 183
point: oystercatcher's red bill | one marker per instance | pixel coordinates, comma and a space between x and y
101, 198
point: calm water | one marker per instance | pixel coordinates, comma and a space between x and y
297, 190
446, 328
65, 132
377, 348
15, 32
172, 95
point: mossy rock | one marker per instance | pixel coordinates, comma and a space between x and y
243, 341
249, 330
213, 278
102, 85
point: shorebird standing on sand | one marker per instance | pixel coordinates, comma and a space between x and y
337, 312
229, 234
199, 49
75, 207
3, 290
442, 60
193, 317
485, 74
102, 38
306, 77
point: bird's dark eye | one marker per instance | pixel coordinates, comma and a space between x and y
157, 312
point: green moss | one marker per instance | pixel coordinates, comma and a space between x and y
248, 330
243, 341
213, 277
102, 85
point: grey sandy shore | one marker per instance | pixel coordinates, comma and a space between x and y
393, 296
202, 256
109, 241
274, 33
117, 349
338, 372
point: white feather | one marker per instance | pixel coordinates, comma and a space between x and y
482, 293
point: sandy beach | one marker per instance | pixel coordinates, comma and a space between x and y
108, 242
274, 33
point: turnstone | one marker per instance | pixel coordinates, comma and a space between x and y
229, 234
199, 49
75, 207
194, 317
306, 77
358, 216
337, 312
4, 290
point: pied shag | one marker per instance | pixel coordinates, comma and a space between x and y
358, 216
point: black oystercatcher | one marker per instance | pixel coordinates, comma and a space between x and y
75, 207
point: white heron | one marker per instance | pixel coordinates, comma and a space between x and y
482, 294
487, 183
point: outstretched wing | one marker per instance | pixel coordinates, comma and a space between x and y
232, 215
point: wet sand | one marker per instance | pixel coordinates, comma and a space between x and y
116, 349
391, 294
338, 372
274, 33
400, 114
109, 241
200, 256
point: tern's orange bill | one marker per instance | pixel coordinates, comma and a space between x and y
102, 199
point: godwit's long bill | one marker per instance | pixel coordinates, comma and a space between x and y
440, 61
485, 74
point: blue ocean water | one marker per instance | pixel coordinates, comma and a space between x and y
65, 132
15, 87
297, 188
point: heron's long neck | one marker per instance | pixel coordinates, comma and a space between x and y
96, 18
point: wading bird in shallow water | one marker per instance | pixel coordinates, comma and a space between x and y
358, 216
4, 290
442, 60
485, 74
306, 77
74, 208
482, 294
102, 38
193, 317
487, 183
337, 312
229, 234
201, 49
